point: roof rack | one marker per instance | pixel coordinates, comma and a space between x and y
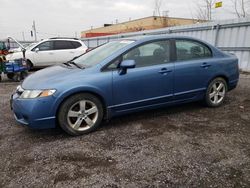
64, 38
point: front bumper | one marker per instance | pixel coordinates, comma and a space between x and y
35, 113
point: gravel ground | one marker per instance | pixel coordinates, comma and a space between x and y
183, 146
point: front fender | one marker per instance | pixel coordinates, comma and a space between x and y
83, 89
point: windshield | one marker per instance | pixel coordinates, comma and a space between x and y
29, 46
97, 55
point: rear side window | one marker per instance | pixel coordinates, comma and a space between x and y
45, 46
76, 44
188, 50
63, 45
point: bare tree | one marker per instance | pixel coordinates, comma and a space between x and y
159, 11
157, 8
204, 9
241, 8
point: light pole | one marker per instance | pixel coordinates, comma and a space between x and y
34, 29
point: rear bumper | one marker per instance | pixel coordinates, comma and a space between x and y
34, 113
232, 84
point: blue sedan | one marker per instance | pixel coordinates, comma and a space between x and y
124, 76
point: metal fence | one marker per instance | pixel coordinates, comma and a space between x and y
231, 36
13, 44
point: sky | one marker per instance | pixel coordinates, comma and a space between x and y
70, 17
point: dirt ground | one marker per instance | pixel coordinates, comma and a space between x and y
183, 146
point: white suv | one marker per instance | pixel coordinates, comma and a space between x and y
51, 51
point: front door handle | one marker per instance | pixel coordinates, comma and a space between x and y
205, 65
165, 71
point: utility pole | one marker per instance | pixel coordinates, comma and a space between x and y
34, 29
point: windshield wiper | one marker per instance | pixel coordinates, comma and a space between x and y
73, 63
66, 63
76, 57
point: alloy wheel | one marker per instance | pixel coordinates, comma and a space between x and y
82, 115
217, 92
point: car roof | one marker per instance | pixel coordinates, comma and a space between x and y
141, 39
155, 37
67, 39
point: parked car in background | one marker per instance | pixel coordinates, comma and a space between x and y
51, 52
125, 76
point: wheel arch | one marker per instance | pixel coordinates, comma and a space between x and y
70, 94
219, 76
32, 65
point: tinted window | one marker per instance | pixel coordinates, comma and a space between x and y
45, 46
150, 54
63, 45
187, 50
76, 44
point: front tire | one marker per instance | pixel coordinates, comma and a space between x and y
80, 114
29, 65
216, 92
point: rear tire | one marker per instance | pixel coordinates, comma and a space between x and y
80, 114
216, 92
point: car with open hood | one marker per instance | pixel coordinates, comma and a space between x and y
50, 52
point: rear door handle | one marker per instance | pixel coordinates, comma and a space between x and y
205, 65
164, 71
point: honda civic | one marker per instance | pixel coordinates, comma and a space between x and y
124, 76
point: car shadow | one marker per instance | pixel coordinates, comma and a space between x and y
150, 114
116, 122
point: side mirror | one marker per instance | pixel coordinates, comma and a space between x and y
36, 50
126, 64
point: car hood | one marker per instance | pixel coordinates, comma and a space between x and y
53, 77
15, 55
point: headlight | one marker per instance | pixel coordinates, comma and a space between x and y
31, 94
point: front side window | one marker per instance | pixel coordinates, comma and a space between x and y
45, 46
188, 50
149, 54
